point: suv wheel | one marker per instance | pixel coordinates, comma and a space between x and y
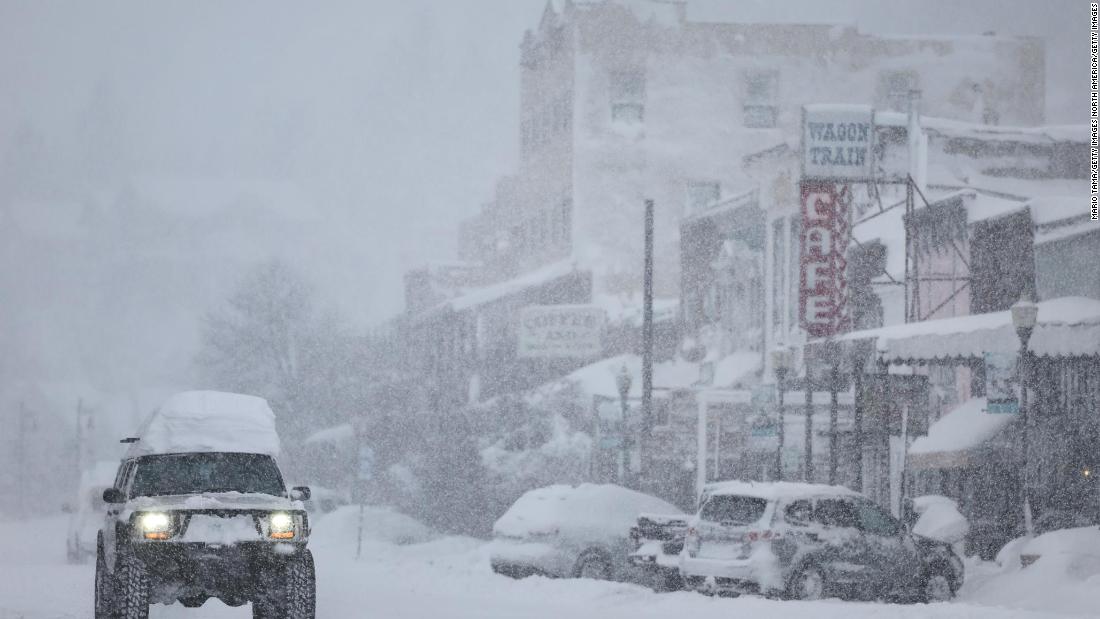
808, 584
937, 586
104, 587
132, 588
299, 599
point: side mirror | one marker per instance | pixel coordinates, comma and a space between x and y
300, 493
113, 496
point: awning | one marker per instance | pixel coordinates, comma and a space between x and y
1067, 327
956, 438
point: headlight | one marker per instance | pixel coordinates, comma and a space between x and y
155, 525
281, 526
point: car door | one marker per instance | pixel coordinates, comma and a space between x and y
891, 554
110, 518
841, 547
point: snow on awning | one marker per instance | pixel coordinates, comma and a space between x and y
951, 440
1067, 327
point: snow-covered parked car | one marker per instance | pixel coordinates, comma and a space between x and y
1081, 544
199, 509
572, 532
87, 514
810, 541
658, 540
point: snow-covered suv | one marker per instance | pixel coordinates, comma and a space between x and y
809, 541
199, 510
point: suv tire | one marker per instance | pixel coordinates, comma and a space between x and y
299, 599
808, 583
132, 587
594, 565
104, 587
936, 585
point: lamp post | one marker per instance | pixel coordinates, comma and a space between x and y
1025, 314
623, 381
781, 361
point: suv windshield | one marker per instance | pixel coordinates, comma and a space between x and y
206, 472
733, 509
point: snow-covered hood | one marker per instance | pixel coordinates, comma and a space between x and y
213, 501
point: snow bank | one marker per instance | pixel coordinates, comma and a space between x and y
604, 510
207, 421
1065, 578
940, 519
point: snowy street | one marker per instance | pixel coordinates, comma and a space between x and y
445, 578
533, 309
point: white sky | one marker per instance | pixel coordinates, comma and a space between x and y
395, 117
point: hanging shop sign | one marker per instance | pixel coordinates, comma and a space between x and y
1000, 383
837, 142
826, 229
561, 331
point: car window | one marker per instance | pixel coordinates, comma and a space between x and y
799, 513
733, 509
206, 472
836, 513
123, 471
875, 520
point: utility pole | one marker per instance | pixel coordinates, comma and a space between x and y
21, 458
834, 378
808, 468
647, 338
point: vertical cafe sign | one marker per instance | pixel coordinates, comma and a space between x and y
837, 149
823, 291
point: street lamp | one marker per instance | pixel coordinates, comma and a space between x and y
782, 362
623, 381
1025, 314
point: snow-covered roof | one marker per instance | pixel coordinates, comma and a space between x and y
958, 177
498, 291
1049, 209
951, 128
1067, 326
336, 434
599, 378
964, 427
773, 490
628, 310
1062, 233
209, 421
